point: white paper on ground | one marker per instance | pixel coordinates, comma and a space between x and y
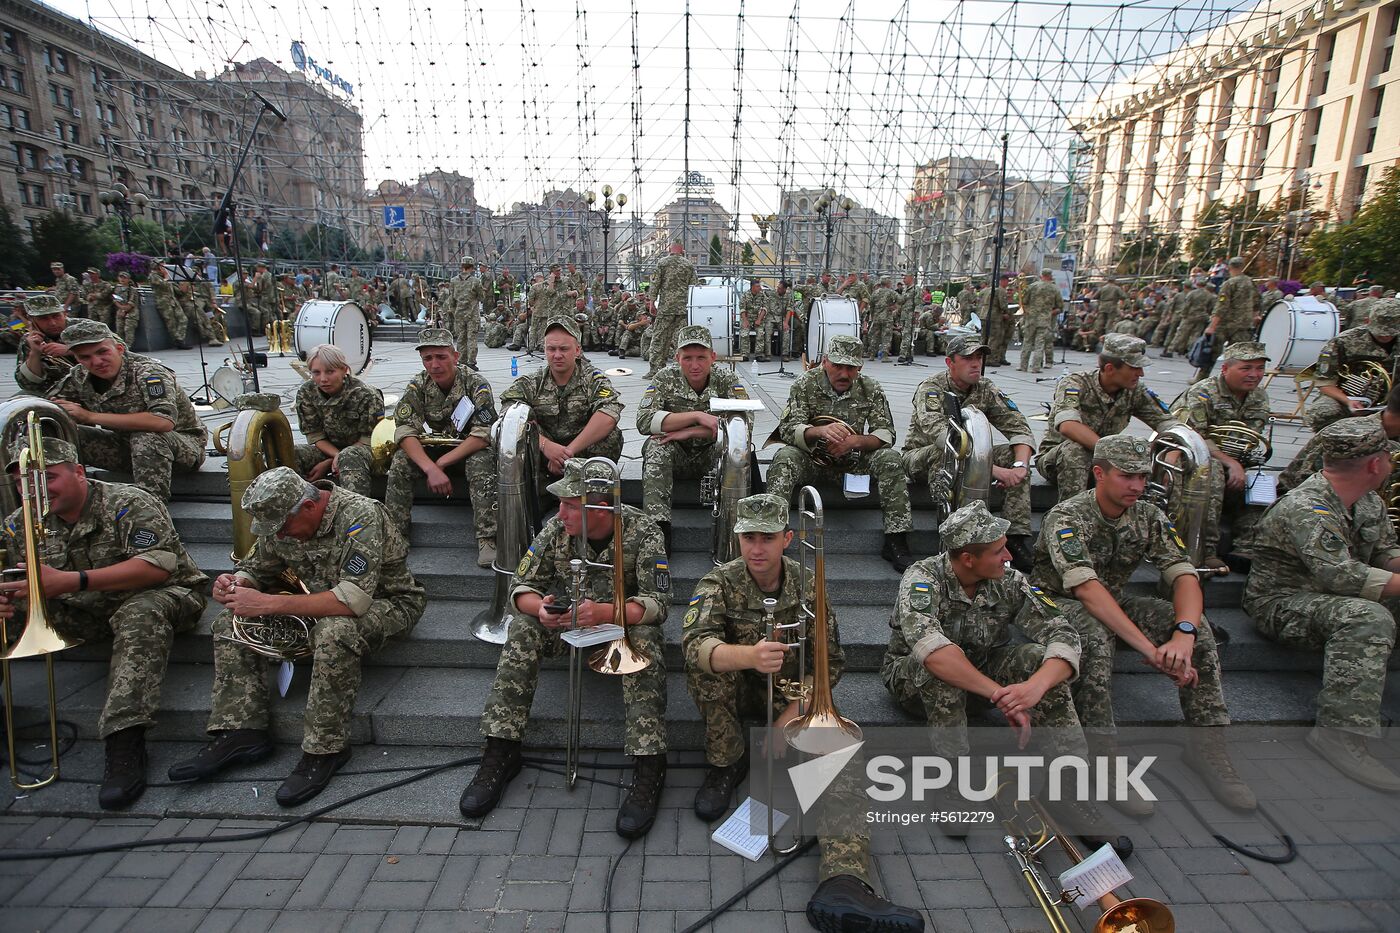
734, 833
1094, 877
596, 635
857, 486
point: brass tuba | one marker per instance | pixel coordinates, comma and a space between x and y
1179, 486
728, 481
1365, 379
517, 513
259, 438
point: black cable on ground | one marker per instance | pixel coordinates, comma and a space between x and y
749, 888
607, 887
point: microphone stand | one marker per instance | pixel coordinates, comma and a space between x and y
205, 386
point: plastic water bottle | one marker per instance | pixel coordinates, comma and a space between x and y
514, 366
753, 367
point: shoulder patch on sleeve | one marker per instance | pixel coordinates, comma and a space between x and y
604, 392
661, 572
1007, 399
1070, 544
1176, 535
142, 537
524, 564
403, 412
356, 565
155, 386
1040, 594
1156, 398
121, 512
920, 595
740, 391
354, 529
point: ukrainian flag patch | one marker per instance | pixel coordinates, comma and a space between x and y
121, 513
354, 530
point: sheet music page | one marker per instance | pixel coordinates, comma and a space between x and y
734, 833
595, 635
857, 486
1096, 876
462, 413
1261, 487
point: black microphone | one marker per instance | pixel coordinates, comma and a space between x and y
276, 111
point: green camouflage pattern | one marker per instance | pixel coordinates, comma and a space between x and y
561, 412
1039, 305
670, 289
346, 420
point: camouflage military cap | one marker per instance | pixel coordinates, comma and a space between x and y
693, 334
56, 450
567, 326
844, 350
435, 337
55, 265
469, 261
1385, 318
763, 512
42, 305
257, 401
273, 497
1126, 453
966, 344
577, 473
1245, 350
86, 330
1350, 439
1125, 349
1236, 262
971, 524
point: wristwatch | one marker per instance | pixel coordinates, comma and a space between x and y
1018, 465
1187, 627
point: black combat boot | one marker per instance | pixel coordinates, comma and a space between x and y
638, 811
311, 776
844, 903
231, 747
896, 550
500, 762
713, 797
124, 779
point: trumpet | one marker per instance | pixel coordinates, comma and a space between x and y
279, 637
1027, 837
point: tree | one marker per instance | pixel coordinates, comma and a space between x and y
716, 250
61, 237
16, 255
1366, 244
1240, 228
747, 257
1148, 254
147, 237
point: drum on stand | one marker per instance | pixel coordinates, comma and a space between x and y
713, 307
1294, 330
341, 323
831, 316
227, 384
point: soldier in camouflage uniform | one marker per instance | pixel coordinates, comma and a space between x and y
168, 305
126, 299
207, 307
572, 403
907, 318
1272, 295
428, 406
540, 301
681, 431
359, 594
267, 300
543, 578
1171, 308
754, 324
336, 412
192, 308
1325, 580
633, 320
729, 660
925, 448
1089, 546
1193, 313
1232, 396
519, 327
1039, 307
670, 284
882, 311
131, 412
1110, 298
1095, 403
44, 359
65, 289
1237, 314
995, 311
494, 334
862, 443
465, 302
1308, 460
602, 326
97, 297
115, 569
1358, 312
1374, 341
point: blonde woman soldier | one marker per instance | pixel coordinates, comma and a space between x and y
337, 413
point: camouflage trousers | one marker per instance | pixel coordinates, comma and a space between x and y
629, 341
520, 334
479, 470
1355, 637
1227, 505
507, 709
1159, 334
197, 323
881, 333
340, 644
758, 340
999, 338
104, 312
908, 332
661, 465
1202, 705
726, 701
465, 325
792, 469
494, 335
127, 322
925, 464
354, 465
1186, 332
1037, 343
1323, 411
141, 629
944, 707
1067, 465
174, 317
663, 338
149, 456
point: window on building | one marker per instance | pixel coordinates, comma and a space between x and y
57, 59
1310, 137
9, 39
21, 118
15, 80
85, 203
24, 194
1326, 48
61, 96
1388, 55
36, 195
1374, 124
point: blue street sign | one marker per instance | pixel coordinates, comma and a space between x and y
395, 219
1052, 227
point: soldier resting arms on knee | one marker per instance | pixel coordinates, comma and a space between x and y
337, 414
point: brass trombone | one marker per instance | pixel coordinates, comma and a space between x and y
618, 656
39, 637
1027, 837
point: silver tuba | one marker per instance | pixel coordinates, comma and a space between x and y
517, 513
1179, 485
727, 482
966, 475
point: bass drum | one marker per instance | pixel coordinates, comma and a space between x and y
1294, 331
228, 384
341, 323
713, 307
831, 316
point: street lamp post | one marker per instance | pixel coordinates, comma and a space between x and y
121, 200
826, 205
608, 207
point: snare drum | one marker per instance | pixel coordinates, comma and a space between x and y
228, 384
1294, 331
831, 316
712, 307
341, 323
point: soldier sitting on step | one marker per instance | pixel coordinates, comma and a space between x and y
337, 413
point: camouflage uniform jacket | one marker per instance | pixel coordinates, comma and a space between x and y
162, 290
97, 294
646, 570
1309, 542
346, 418
561, 412
1210, 403
141, 385
1042, 301
727, 609
859, 292
1078, 543
65, 287
1347, 349
1309, 460
929, 423
1080, 397
1239, 301
864, 408
671, 284
125, 294
424, 405
467, 294
1270, 298
751, 307
355, 553
883, 301
1198, 303
53, 371
1109, 298
117, 522
933, 611
670, 392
